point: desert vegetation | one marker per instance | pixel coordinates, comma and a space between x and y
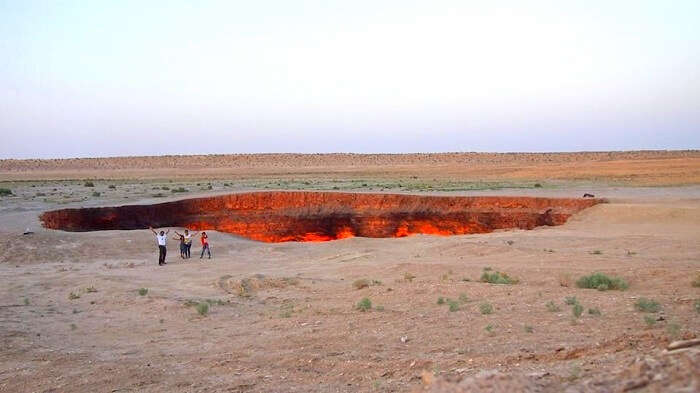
495, 277
602, 282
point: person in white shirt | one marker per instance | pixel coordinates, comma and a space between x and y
162, 239
188, 241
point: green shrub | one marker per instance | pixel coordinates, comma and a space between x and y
649, 320
596, 252
577, 310
408, 277
454, 306
364, 305
489, 328
595, 280
73, 296
166, 188
497, 278
570, 300
212, 302
179, 189
202, 308
551, 307
89, 184
594, 311
528, 329
96, 194
5, 191
673, 330
143, 291
441, 300
647, 305
697, 305
486, 308
463, 298
112, 186
91, 289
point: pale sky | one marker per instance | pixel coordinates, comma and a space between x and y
106, 78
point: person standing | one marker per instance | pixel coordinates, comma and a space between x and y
188, 241
162, 239
181, 238
205, 245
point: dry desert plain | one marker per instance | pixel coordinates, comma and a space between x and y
93, 311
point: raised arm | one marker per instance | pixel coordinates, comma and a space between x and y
168, 231
152, 230
178, 233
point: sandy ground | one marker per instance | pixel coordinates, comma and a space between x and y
638, 168
282, 317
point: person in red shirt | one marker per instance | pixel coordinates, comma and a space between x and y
205, 244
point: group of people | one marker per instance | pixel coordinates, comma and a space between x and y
185, 244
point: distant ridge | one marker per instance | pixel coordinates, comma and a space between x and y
296, 160
639, 168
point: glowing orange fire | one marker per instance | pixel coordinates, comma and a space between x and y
324, 216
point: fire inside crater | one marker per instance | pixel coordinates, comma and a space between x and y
322, 216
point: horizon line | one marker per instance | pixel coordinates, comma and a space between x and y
690, 150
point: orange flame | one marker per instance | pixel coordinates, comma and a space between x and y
323, 216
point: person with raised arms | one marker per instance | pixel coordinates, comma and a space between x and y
162, 240
188, 241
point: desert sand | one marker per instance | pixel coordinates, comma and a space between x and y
93, 311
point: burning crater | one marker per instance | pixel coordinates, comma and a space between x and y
322, 216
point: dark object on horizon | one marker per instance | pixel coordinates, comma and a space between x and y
587, 195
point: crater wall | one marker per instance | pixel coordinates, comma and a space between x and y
322, 216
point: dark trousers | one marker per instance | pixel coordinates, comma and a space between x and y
188, 247
183, 249
161, 254
205, 247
